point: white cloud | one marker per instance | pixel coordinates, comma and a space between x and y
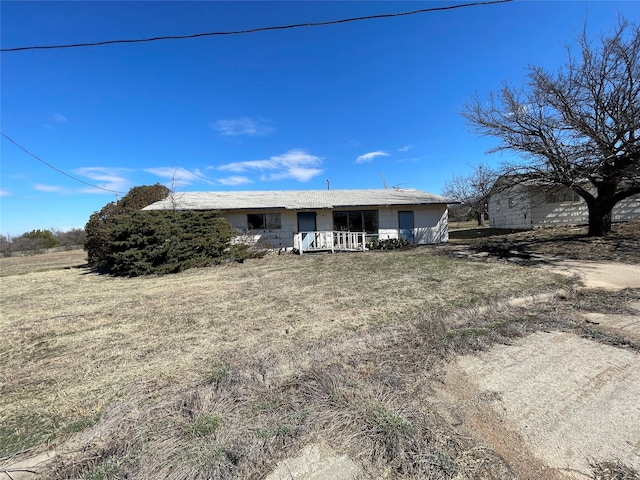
105, 177
4, 193
178, 176
296, 164
234, 180
243, 126
367, 157
59, 118
48, 188
406, 148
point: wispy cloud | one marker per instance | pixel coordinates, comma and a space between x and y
56, 118
41, 187
234, 180
367, 157
296, 164
179, 176
4, 193
243, 126
406, 148
105, 177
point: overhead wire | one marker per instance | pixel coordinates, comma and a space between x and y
208, 34
256, 30
56, 168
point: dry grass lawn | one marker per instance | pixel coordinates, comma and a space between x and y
621, 245
220, 372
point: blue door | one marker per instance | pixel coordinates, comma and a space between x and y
307, 223
405, 225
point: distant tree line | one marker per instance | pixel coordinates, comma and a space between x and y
39, 241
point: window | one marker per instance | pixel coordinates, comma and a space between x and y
263, 221
563, 196
356, 221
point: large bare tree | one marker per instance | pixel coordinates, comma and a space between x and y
578, 127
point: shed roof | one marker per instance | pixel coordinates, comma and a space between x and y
295, 199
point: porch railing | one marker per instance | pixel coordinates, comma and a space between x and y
329, 241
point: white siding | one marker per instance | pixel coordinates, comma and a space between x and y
627, 209
530, 209
510, 209
430, 224
278, 237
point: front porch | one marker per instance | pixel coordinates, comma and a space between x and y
329, 241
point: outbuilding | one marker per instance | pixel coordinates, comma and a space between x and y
529, 205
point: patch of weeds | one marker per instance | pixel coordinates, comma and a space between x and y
218, 373
386, 421
204, 426
26, 430
206, 454
267, 406
613, 471
110, 468
301, 415
468, 332
284, 430
443, 462
80, 424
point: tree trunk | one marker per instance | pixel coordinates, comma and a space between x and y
599, 218
480, 218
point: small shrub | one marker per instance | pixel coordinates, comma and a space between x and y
387, 422
389, 244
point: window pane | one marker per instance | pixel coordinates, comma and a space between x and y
355, 221
255, 221
340, 222
272, 220
370, 221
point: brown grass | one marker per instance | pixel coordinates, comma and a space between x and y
221, 372
621, 245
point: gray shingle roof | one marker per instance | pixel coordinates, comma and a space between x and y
295, 199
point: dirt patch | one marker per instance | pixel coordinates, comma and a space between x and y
567, 400
603, 275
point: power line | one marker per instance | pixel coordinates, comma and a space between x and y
256, 30
55, 168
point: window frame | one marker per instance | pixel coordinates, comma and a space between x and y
268, 221
364, 219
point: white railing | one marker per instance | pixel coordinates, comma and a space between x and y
329, 241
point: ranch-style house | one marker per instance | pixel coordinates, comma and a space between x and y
323, 220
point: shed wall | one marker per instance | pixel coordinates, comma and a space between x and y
520, 208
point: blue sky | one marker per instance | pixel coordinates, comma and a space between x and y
359, 104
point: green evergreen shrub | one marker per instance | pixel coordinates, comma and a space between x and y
169, 241
98, 240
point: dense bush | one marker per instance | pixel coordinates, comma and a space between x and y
158, 242
98, 227
389, 244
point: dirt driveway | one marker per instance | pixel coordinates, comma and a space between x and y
552, 403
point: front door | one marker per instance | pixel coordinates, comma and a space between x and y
307, 223
405, 225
